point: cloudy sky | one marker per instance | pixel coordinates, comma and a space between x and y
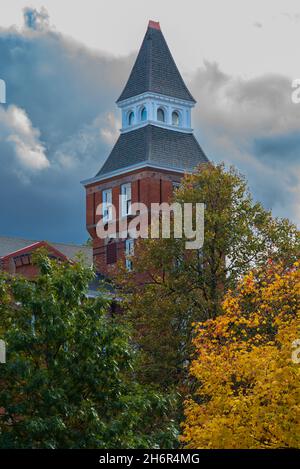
65, 63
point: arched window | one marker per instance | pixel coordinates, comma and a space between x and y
131, 118
160, 115
175, 118
143, 114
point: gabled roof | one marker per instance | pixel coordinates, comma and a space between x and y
14, 246
155, 70
155, 145
33, 247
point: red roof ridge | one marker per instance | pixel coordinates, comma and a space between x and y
154, 24
35, 245
19, 251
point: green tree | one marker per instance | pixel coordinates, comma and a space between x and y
69, 380
182, 286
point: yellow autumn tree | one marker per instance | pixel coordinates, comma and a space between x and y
246, 368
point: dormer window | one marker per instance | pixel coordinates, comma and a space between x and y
143, 114
131, 118
175, 118
160, 115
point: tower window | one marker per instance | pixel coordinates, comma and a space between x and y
175, 118
131, 118
107, 205
143, 114
160, 115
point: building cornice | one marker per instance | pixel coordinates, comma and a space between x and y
163, 125
149, 95
128, 169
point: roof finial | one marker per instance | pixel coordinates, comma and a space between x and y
154, 25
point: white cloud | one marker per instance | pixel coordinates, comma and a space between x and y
17, 131
259, 106
110, 131
212, 29
253, 124
36, 20
69, 100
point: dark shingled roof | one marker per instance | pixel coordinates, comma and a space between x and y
156, 145
155, 70
9, 245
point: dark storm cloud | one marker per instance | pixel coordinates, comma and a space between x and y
254, 125
60, 123
55, 130
279, 147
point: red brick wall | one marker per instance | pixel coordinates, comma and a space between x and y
147, 186
22, 264
29, 271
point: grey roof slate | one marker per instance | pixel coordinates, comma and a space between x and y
11, 244
102, 286
155, 70
156, 145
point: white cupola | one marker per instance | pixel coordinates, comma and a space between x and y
152, 108
155, 92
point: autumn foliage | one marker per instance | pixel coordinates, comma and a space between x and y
182, 287
247, 384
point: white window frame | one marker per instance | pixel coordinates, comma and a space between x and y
131, 118
129, 251
179, 118
161, 108
126, 199
107, 205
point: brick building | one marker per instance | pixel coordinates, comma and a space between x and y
16, 254
156, 147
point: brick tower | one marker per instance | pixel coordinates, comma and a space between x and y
156, 146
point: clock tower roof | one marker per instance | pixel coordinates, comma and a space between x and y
155, 70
